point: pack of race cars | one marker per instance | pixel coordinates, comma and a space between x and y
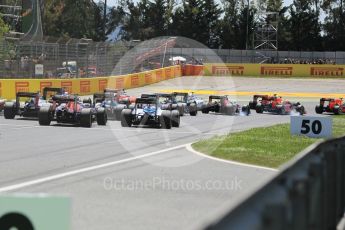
162, 110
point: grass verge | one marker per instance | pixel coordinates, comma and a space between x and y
268, 146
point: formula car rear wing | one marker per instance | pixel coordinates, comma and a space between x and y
167, 95
52, 89
64, 98
328, 99
263, 97
180, 93
149, 100
108, 90
211, 97
148, 95
26, 94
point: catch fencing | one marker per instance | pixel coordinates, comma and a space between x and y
76, 58
308, 193
261, 56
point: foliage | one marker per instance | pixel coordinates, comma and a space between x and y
303, 25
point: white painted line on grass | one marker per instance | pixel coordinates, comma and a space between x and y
190, 149
83, 170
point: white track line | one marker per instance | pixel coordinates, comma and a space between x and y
190, 149
83, 170
112, 129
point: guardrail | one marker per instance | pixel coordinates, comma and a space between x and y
308, 193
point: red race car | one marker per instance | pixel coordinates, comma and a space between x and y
275, 104
69, 109
330, 105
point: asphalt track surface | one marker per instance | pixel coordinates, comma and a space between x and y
143, 178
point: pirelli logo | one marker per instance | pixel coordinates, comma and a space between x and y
228, 70
177, 69
0, 88
67, 86
85, 86
276, 71
135, 80
327, 71
167, 73
22, 86
102, 84
120, 83
148, 78
45, 84
159, 75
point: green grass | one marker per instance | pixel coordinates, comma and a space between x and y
268, 146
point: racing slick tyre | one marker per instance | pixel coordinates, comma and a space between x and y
174, 106
126, 118
281, 110
217, 108
86, 118
229, 110
175, 118
337, 110
9, 110
44, 116
301, 110
204, 109
259, 109
193, 109
165, 119
118, 110
245, 110
180, 109
252, 105
101, 116
318, 109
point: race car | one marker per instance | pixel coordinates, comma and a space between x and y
331, 105
186, 103
69, 109
222, 104
275, 104
166, 101
198, 100
147, 111
31, 106
259, 97
114, 101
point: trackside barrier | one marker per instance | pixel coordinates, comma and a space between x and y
284, 70
308, 193
87, 86
192, 70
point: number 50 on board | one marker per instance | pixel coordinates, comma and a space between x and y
312, 126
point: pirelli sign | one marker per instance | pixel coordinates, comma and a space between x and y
228, 70
276, 71
327, 71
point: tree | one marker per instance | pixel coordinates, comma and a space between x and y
209, 23
4, 28
73, 18
304, 26
198, 20
334, 26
